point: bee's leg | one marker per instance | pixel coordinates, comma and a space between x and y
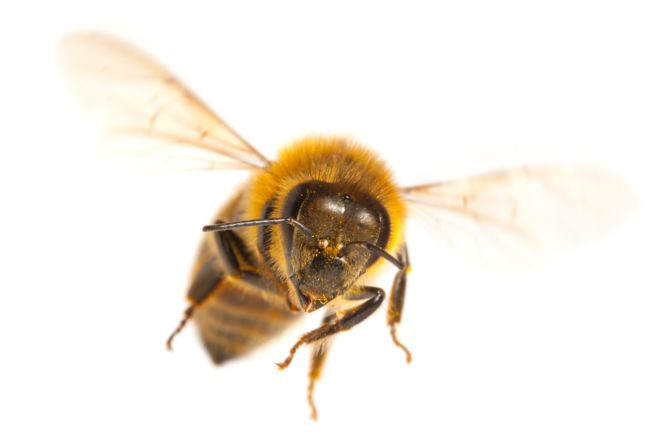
231, 253
396, 301
207, 279
319, 355
342, 320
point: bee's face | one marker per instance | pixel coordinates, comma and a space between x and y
327, 265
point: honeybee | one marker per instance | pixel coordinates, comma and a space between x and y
309, 229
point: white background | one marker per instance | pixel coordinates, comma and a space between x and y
94, 262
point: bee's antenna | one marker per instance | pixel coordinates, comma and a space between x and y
381, 252
261, 222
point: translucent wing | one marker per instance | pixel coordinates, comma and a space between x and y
514, 213
146, 113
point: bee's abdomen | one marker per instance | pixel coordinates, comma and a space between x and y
234, 319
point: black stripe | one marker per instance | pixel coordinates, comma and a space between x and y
218, 354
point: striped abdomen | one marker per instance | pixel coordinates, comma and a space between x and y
239, 303
234, 321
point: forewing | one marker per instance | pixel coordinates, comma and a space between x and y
146, 113
510, 216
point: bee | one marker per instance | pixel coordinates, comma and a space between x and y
308, 230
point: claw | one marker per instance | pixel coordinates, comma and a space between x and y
283, 365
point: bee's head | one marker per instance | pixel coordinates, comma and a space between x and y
326, 261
